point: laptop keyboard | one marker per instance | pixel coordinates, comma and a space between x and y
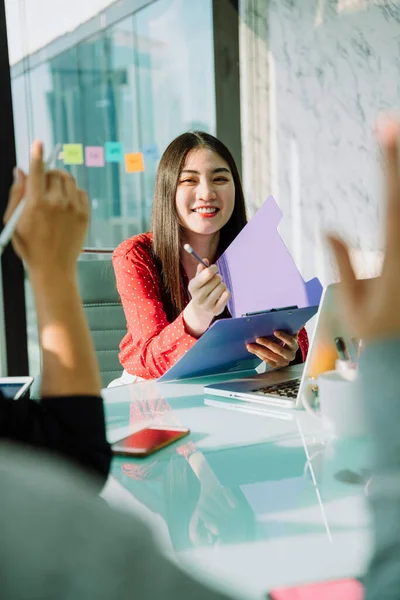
287, 389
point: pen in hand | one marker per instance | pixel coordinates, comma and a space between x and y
9, 227
190, 250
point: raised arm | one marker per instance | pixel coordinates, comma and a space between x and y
372, 310
48, 238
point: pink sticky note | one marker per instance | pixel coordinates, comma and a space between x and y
94, 156
345, 589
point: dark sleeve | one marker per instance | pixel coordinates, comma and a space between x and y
73, 427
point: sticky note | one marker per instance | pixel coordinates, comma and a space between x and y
134, 162
151, 152
114, 152
94, 156
73, 154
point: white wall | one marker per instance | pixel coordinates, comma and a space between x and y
332, 67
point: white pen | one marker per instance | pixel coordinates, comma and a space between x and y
10, 226
190, 250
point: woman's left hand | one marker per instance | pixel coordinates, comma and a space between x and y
276, 355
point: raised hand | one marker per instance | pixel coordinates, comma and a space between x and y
51, 230
372, 307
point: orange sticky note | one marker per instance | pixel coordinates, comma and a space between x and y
134, 162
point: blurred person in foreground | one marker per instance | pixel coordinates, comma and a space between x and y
372, 310
69, 419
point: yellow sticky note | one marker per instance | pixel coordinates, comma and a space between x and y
73, 154
134, 162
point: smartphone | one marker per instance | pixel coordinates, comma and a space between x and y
345, 589
13, 388
148, 440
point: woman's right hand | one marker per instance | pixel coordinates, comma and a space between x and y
209, 298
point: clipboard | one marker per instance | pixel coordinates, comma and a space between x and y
222, 348
256, 282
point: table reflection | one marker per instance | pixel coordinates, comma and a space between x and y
289, 485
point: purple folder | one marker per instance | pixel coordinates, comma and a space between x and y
259, 271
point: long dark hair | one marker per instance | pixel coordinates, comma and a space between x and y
167, 232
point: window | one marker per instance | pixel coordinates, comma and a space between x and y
138, 82
131, 73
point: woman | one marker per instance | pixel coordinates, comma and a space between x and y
169, 300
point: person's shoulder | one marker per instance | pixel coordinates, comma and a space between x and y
135, 256
137, 247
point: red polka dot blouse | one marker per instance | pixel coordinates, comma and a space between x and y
153, 343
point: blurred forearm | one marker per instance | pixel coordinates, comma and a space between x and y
69, 361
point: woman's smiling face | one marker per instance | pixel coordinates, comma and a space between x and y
205, 195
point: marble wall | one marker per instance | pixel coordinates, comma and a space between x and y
316, 73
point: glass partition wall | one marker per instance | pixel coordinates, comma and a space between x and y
113, 83
114, 88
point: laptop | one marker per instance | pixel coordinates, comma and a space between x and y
285, 387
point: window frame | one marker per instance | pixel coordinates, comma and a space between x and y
13, 320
